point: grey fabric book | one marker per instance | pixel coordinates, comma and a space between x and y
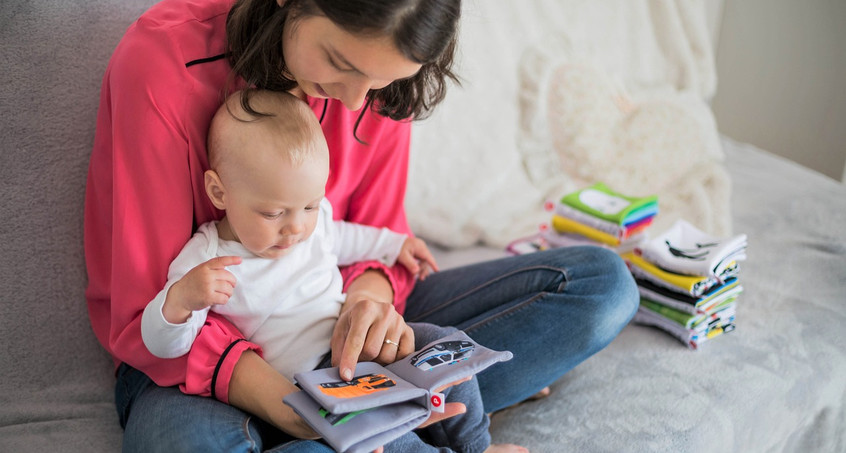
382, 403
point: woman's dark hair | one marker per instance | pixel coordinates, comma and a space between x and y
424, 31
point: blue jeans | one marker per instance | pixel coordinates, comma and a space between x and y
165, 419
551, 309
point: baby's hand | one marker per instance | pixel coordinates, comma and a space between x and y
205, 285
415, 256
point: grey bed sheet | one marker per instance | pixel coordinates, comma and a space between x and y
776, 384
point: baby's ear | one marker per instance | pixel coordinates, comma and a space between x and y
215, 189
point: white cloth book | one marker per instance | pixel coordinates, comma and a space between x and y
684, 249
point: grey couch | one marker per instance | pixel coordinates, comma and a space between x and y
778, 383
56, 383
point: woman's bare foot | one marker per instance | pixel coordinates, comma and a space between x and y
544, 392
506, 448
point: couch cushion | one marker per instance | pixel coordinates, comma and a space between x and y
57, 385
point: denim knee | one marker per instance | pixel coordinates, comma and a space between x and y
617, 298
600, 277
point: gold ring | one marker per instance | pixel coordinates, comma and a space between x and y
391, 342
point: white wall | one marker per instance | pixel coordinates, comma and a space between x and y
781, 68
714, 16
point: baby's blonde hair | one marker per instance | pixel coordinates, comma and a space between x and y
287, 122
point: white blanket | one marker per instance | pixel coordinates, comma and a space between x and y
490, 155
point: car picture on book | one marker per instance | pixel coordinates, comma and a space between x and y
445, 353
358, 386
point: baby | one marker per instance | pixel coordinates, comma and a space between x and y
270, 265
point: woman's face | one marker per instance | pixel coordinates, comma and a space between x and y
328, 62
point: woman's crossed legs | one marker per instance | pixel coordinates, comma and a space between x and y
552, 309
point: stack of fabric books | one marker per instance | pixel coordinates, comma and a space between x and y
603, 215
688, 282
596, 215
687, 279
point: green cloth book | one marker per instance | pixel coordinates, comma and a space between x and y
600, 201
687, 320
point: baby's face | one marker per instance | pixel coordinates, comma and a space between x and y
275, 208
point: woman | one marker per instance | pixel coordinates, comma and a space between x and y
363, 67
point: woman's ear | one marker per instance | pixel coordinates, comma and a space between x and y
215, 190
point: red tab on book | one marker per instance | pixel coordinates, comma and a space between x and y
436, 400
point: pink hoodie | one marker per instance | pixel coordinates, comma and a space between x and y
145, 190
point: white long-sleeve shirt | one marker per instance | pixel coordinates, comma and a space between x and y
289, 305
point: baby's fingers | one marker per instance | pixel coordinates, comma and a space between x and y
226, 277
406, 258
425, 271
422, 253
221, 262
225, 286
219, 298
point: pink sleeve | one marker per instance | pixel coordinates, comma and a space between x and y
379, 198
139, 212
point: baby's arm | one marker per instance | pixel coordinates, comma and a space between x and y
205, 285
355, 242
173, 319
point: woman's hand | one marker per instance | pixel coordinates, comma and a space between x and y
369, 327
257, 388
450, 409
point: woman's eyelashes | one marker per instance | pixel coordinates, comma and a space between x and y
337, 64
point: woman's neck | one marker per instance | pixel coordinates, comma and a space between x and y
298, 92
